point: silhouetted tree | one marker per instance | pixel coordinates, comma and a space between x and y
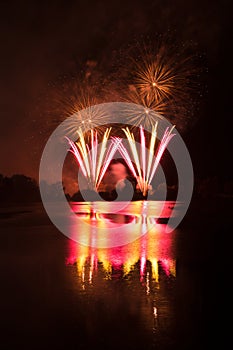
18, 188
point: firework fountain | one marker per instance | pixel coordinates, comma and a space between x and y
145, 162
94, 160
160, 86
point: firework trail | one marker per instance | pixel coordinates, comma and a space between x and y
93, 162
144, 165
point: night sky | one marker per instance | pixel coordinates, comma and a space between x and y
41, 41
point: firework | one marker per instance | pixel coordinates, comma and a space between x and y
94, 160
163, 80
86, 113
145, 163
155, 80
86, 120
74, 100
145, 114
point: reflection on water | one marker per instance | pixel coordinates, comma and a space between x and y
145, 268
103, 224
151, 251
158, 291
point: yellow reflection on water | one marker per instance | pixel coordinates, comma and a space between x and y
153, 250
145, 266
108, 224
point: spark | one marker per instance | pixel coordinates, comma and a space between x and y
144, 164
162, 78
94, 159
87, 116
74, 100
146, 114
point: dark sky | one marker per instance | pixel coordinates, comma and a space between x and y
42, 40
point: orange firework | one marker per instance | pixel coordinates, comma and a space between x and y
81, 104
155, 81
162, 79
74, 99
149, 112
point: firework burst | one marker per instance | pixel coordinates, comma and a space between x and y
145, 114
84, 112
162, 78
86, 119
155, 80
74, 100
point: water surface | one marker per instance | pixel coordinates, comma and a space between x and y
156, 292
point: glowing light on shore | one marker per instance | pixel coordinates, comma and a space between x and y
93, 160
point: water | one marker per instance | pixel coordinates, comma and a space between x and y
158, 291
